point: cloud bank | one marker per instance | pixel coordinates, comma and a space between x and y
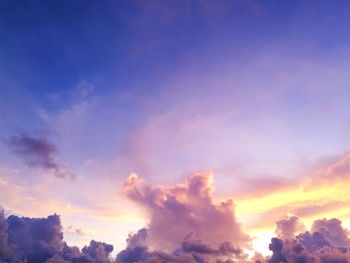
185, 226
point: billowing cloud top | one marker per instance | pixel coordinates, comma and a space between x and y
327, 242
40, 240
186, 210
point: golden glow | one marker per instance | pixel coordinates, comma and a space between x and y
306, 195
308, 200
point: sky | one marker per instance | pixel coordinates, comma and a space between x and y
110, 108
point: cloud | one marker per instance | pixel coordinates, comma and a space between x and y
184, 209
205, 232
34, 239
313, 195
189, 250
4, 247
225, 248
340, 169
161, 256
76, 231
131, 255
314, 209
40, 240
276, 248
288, 227
136, 249
333, 231
138, 239
180, 208
56, 259
98, 250
327, 242
37, 153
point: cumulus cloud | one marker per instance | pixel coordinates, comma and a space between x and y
138, 239
184, 209
189, 251
4, 247
333, 231
286, 228
136, 250
37, 153
327, 242
195, 230
40, 240
34, 239
99, 251
56, 259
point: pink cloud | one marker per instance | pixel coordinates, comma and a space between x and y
188, 208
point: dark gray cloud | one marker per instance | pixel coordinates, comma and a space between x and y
4, 247
37, 153
56, 259
34, 239
276, 247
40, 240
136, 250
189, 245
134, 254
327, 242
99, 251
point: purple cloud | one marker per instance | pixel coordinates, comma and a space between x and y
184, 209
287, 228
37, 153
40, 240
328, 242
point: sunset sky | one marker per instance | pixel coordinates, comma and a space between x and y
250, 96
